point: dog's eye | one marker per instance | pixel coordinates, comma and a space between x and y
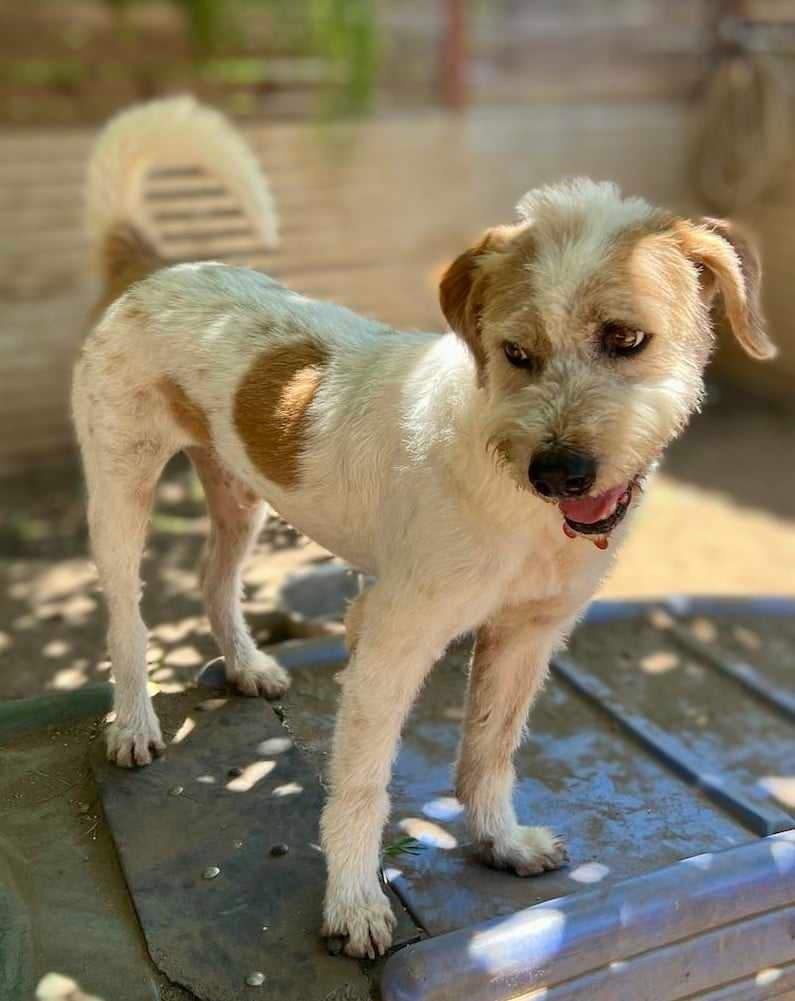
619, 341
517, 355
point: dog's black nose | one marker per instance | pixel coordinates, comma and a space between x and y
562, 472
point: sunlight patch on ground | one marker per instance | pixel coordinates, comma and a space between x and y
250, 776
56, 648
55, 987
183, 656
176, 632
184, 731
428, 833
781, 787
661, 619
154, 654
589, 872
68, 678
659, 662
288, 789
75, 611
274, 745
162, 674
680, 543
443, 808
704, 630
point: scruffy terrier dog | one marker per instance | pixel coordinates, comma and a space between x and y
478, 475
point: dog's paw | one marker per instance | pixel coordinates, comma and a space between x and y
527, 852
260, 676
134, 743
362, 930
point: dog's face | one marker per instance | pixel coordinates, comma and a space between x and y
589, 321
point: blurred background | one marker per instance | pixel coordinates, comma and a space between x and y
393, 132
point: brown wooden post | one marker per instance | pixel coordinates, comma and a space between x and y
454, 53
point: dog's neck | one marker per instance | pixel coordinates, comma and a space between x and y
449, 425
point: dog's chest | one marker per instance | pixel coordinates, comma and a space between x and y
553, 566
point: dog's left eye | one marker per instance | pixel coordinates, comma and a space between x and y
620, 341
517, 355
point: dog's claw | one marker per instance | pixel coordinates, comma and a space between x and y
335, 945
135, 745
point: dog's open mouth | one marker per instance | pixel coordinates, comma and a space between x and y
597, 515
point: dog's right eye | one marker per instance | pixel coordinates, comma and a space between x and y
619, 341
517, 355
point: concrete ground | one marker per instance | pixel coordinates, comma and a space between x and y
720, 519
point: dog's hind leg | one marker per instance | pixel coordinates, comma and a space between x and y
236, 516
120, 491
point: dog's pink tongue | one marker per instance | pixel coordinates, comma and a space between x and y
587, 510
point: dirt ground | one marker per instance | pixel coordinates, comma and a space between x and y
720, 519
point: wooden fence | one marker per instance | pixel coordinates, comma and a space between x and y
370, 216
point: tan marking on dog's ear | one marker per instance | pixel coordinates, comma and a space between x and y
185, 411
463, 288
667, 295
732, 267
272, 408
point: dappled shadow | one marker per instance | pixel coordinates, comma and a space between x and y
52, 619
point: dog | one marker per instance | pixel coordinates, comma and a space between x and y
485, 476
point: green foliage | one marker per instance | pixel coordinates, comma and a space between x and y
205, 20
402, 846
344, 31
341, 32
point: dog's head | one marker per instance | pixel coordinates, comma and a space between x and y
589, 321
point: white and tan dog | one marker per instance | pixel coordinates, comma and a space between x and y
470, 472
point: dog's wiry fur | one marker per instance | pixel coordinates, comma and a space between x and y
405, 453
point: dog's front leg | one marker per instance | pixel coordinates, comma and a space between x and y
394, 651
509, 666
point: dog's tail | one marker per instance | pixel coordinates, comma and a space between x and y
172, 131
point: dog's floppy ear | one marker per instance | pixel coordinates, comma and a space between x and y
730, 265
463, 288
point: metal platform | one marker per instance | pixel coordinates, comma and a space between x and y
663, 750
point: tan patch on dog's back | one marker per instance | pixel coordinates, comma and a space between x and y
272, 408
185, 411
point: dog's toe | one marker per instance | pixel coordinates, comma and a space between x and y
363, 931
129, 746
261, 677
